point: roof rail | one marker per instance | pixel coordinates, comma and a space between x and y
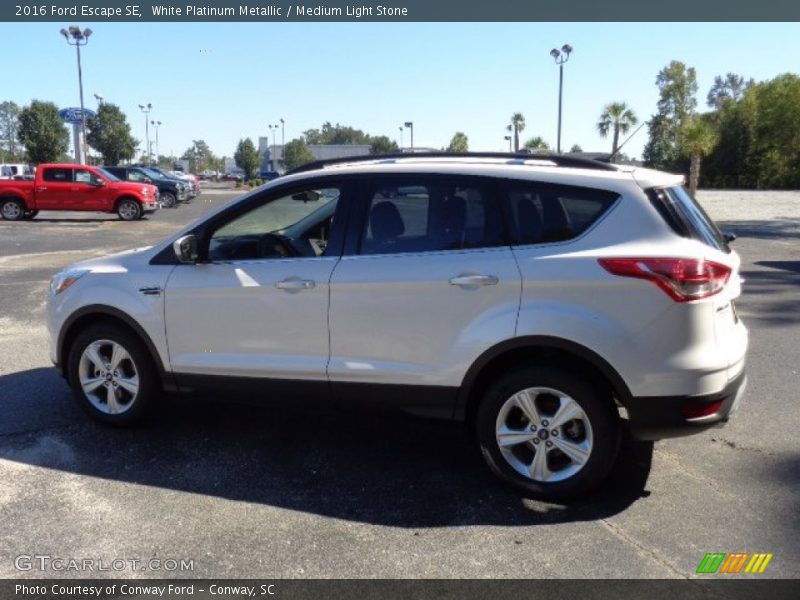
561, 160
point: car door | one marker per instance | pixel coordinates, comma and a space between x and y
54, 190
89, 191
427, 286
256, 306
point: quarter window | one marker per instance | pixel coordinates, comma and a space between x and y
430, 216
543, 213
58, 175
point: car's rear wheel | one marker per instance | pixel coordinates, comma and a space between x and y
12, 209
112, 375
548, 431
129, 209
168, 200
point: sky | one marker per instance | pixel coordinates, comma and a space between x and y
225, 81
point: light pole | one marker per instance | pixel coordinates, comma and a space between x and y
146, 110
560, 56
156, 125
99, 99
401, 137
410, 125
79, 38
508, 139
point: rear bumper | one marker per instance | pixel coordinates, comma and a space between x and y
654, 418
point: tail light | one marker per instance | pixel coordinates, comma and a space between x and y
683, 279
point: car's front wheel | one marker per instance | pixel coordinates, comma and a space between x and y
129, 209
168, 200
112, 375
548, 431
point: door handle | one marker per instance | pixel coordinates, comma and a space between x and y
295, 284
41, 189
473, 280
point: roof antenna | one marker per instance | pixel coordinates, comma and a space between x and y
628, 139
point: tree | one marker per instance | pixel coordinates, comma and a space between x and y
9, 126
336, 134
110, 134
616, 117
537, 144
677, 86
576, 149
383, 145
698, 138
247, 158
731, 87
517, 126
42, 132
459, 143
296, 153
200, 157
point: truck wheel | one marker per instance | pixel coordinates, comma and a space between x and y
168, 200
112, 375
549, 432
30, 214
129, 209
12, 209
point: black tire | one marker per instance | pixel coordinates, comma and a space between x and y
591, 396
129, 209
136, 408
30, 215
12, 209
168, 200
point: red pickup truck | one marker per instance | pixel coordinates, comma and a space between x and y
75, 187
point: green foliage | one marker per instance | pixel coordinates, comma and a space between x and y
459, 143
336, 134
697, 138
538, 144
383, 145
576, 148
200, 157
238, 183
677, 86
616, 118
731, 87
42, 132
296, 153
10, 151
247, 157
110, 134
759, 138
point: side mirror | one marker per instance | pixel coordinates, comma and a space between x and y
148, 180
307, 196
729, 236
185, 249
99, 183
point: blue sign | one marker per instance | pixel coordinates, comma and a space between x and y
73, 115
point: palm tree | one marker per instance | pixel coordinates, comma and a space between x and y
697, 140
517, 126
618, 117
537, 144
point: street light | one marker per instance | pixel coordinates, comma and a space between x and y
146, 110
508, 139
560, 57
99, 99
156, 125
77, 37
410, 125
401, 137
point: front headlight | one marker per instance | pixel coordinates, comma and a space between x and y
61, 281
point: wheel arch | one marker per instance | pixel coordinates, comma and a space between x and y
127, 196
95, 313
538, 348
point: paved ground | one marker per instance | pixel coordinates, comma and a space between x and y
275, 493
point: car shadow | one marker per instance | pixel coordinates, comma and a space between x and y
109, 219
391, 470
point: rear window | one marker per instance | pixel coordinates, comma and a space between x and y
543, 213
686, 217
58, 175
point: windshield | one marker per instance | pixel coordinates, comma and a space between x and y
107, 175
153, 173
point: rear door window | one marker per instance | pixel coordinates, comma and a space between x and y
544, 213
686, 217
57, 175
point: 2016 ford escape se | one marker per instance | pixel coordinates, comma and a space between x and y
549, 302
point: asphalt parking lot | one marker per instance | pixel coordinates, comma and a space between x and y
257, 492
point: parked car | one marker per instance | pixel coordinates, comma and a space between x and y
75, 187
170, 191
233, 177
13, 171
548, 302
192, 187
269, 175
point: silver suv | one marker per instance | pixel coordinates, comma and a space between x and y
548, 302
